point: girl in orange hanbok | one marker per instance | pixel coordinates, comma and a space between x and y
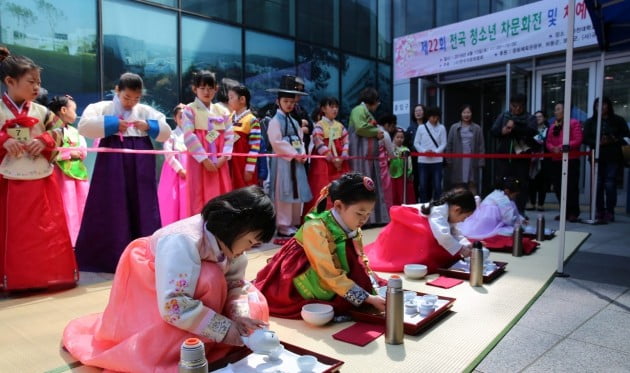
186, 280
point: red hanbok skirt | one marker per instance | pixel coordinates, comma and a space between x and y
275, 281
407, 239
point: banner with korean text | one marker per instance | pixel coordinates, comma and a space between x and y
525, 31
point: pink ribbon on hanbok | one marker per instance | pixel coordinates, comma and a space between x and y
212, 146
129, 124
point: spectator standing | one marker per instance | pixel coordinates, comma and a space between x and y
514, 132
410, 136
614, 129
465, 137
430, 138
538, 173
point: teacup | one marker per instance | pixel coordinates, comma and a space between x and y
430, 299
411, 307
426, 309
489, 267
409, 295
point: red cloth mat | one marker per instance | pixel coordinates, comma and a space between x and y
445, 282
360, 333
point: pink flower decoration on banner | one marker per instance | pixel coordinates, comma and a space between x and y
405, 48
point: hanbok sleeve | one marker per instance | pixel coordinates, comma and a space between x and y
194, 146
95, 125
177, 268
360, 119
326, 264
254, 140
170, 158
158, 128
237, 304
441, 229
277, 143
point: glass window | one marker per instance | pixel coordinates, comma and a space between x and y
273, 15
228, 10
553, 92
445, 12
617, 88
318, 21
66, 50
469, 9
412, 16
384, 87
498, 5
319, 67
202, 49
150, 52
172, 3
358, 27
267, 58
357, 73
384, 30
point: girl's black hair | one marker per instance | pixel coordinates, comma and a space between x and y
242, 91
508, 182
14, 66
432, 112
241, 211
543, 113
202, 78
328, 101
370, 96
461, 197
58, 102
177, 109
130, 81
350, 188
226, 85
388, 119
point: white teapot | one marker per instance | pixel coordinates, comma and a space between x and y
262, 341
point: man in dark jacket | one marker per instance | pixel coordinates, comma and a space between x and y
614, 129
514, 132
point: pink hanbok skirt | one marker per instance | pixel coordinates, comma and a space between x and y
130, 335
73, 194
173, 194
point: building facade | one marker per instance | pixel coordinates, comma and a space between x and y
337, 46
529, 68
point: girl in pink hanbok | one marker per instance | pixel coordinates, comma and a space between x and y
207, 133
71, 173
172, 190
186, 280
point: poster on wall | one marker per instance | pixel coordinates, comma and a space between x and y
529, 30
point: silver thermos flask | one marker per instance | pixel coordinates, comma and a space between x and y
540, 228
394, 311
193, 357
517, 238
476, 265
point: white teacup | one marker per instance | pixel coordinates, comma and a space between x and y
489, 267
411, 307
430, 299
426, 309
409, 295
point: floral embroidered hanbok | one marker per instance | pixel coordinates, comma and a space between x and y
168, 287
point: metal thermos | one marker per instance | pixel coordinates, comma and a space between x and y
476, 265
517, 238
394, 311
540, 228
193, 357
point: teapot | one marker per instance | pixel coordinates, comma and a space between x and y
262, 341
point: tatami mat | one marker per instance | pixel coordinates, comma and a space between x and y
31, 327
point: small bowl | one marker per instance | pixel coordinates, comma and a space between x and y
430, 298
306, 363
415, 270
409, 295
317, 313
